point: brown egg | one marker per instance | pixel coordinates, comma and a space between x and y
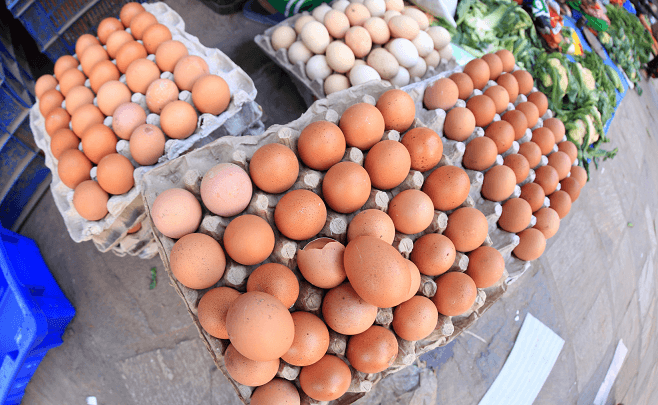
544, 138
357, 14
534, 194
103, 72
414, 275
346, 186
140, 23
277, 391
541, 101
160, 93
50, 100
107, 27
77, 97
499, 183
518, 121
115, 174
127, 117
311, 340
248, 372
485, 266
377, 271
455, 293
548, 222
387, 164
464, 84
459, 124
64, 63
197, 261
363, 125
425, 148
178, 119
176, 213
260, 326
415, 319
45, 83
561, 162
502, 133
69, 79
480, 154
63, 139
91, 56
499, 96
226, 189
433, 254
98, 141
569, 148
495, 65
321, 145
509, 82
147, 144
557, 127
169, 53
372, 222
211, 95
372, 351
111, 95
140, 74
560, 202
507, 58
321, 263
128, 53
531, 152
525, 80
128, 11
398, 109
155, 35
300, 214
213, 308
84, 117
403, 26
276, 280
447, 187
84, 42
572, 187
359, 41
346, 312
337, 24
442, 94
326, 380
116, 40
547, 178
479, 72
519, 164
516, 215
483, 109
56, 119
412, 211
274, 168
135, 228
90, 201
188, 70
531, 112
578, 173
73, 168
467, 229
532, 245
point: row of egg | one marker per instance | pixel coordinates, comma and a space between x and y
81, 121
351, 43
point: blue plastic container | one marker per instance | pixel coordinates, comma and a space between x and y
33, 314
12, 101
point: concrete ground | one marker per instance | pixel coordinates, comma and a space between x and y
594, 285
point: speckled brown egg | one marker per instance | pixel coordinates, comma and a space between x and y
50, 100
169, 53
115, 174
412, 211
226, 189
90, 200
480, 154
83, 42
507, 58
197, 261
63, 139
178, 119
73, 168
147, 144
176, 213
160, 93
502, 133
464, 84
534, 194
300, 214
346, 312
425, 148
531, 246
211, 94
155, 35
91, 56
213, 308
516, 215
111, 95
544, 138
56, 119
541, 101
69, 79
569, 148
127, 117
519, 164
442, 94
311, 340
103, 72
249, 372
447, 187
572, 187
116, 40
387, 164
128, 11
433, 254
188, 70
561, 162
467, 229
499, 183
45, 83
459, 124
274, 168
509, 82
321, 145
98, 141
326, 380
346, 186
547, 178
372, 351
531, 152
372, 222
415, 319
140, 23
499, 96
107, 27
548, 222
455, 293
580, 174
362, 125
277, 391
495, 65
77, 97
398, 109
531, 112
479, 72
560, 202
276, 280
518, 121
128, 53
64, 63
483, 109
84, 117
557, 126
140, 74
321, 263
485, 266
525, 80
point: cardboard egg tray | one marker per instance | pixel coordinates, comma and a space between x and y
188, 170
242, 116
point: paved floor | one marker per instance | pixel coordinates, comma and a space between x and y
594, 285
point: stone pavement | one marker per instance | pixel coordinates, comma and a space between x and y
594, 285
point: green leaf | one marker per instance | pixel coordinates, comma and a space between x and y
154, 278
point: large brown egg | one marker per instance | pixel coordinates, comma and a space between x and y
128, 53
548, 222
226, 189
479, 72
414, 275
73, 167
509, 82
569, 148
107, 27
557, 126
140, 22
415, 319
531, 246
260, 326
103, 72
541, 101
178, 119
98, 141
90, 200
398, 109
412, 211
502, 133
447, 187
425, 148
346, 186
116, 40
372, 222
442, 94
115, 174
70, 79
326, 380
372, 351
531, 152
483, 109
516, 215
50, 100
346, 312
84, 117
321, 145
176, 213
560, 202
499, 183
480, 154
311, 340
91, 56
459, 124
169, 53
467, 229
518, 121
188, 70
495, 65
155, 35
213, 308
387, 164
127, 117
578, 173
56, 119
363, 125
507, 58
300, 214
433, 254
547, 178
111, 95
147, 144
160, 93
544, 138
485, 266
128, 11
531, 112
64, 63
274, 168
140, 74
197, 261
519, 164
464, 84
83, 42
455, 293
77, 97
277, 391
572, 187
249, 372
45, 83
561, 162
63, 139
321, 262
249, 239
377, 271
276, 280
499, 96
211, 95
525, 80
534, 194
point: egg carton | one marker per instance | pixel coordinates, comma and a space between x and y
187, 172
242, 115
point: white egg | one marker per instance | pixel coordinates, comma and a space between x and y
340, 5
320, 11
419, 69
402, 78
432, 59
377, 8
404, 51
302, 21
362, 73
340, 57
336, 82
317, 68
446, 52
315, 36
423, 43
283, 37
298, 52
440, 36
419, 16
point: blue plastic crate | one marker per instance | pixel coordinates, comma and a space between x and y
33, 314
13, 105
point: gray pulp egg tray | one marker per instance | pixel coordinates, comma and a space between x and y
187, 171
126, 210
